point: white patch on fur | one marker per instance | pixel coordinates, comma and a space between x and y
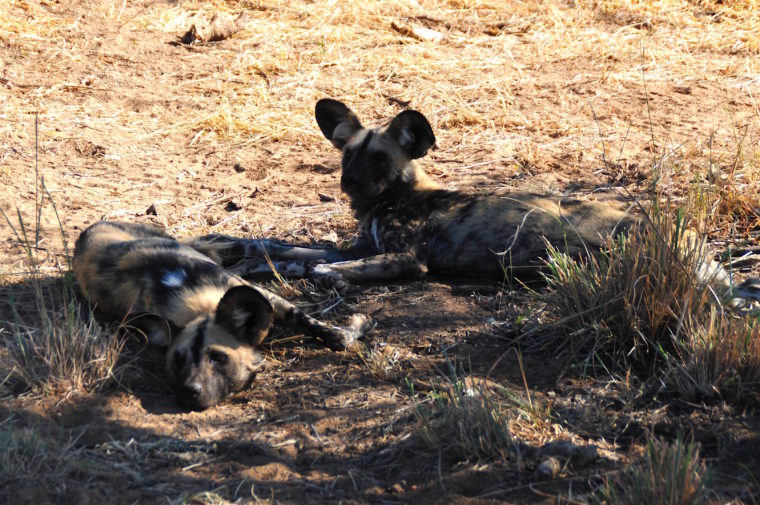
376, 237
325, 274
406, 138
344, 133
321, 269
174, 278
240, 316
294, 270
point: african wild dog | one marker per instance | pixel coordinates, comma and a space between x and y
410, 226
210, 320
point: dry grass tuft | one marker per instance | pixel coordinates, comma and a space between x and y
383, 361
730, 203
464, 420
26, 454
55, 346
639, 305
669, 473
626, 306
64, 350
720, 357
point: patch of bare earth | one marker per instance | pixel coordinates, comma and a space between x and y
586, 98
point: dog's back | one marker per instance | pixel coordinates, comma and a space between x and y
130, 268
491, 233
484, 235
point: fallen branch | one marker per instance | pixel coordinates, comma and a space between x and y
417, 32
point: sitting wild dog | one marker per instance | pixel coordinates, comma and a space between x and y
211, 320
410, 226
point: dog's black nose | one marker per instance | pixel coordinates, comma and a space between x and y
189, 396
192, 390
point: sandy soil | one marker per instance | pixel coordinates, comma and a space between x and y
220, 137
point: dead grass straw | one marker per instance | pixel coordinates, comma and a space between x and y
383, 361
626, 306
56, 346
671, 473
29, 454
720, 358
641, 305
464, 420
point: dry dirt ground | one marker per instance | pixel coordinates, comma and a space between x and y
587, 98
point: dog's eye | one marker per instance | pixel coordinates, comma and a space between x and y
217, 357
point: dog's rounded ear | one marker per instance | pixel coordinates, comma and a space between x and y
156, 329
336, 121
245, 313
413, 133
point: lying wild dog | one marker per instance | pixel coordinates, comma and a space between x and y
211, 320
409, 226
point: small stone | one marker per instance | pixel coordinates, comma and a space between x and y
232, 206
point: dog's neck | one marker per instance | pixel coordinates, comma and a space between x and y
420, 182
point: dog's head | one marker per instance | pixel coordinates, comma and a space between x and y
375, 160
215, 355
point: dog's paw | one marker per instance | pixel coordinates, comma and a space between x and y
750, 289
328, 278
360, 324
346, 336
746, 296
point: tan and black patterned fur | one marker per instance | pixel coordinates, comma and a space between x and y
211, 320
409, 226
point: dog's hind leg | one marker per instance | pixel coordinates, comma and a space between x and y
230, 251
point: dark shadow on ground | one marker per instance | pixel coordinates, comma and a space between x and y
321, 427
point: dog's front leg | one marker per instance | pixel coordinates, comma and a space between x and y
259, 248
336, 338
373, 268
